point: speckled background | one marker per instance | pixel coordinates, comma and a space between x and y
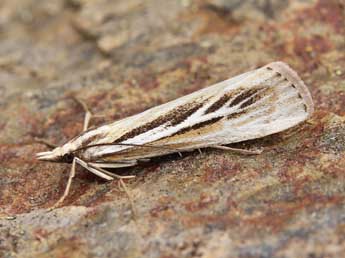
122, 57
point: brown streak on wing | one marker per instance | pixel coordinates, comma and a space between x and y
190, 129
270, 103
254, 98
236, 115
249, 93
221, 101
198, 126
244, 95
172, 118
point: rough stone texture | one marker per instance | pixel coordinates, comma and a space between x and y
122, 57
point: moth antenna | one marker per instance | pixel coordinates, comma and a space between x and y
120, 144
45, 142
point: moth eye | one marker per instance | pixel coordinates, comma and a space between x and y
68, 158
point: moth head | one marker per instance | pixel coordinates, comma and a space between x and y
58, 154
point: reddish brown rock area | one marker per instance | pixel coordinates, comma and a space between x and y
122, 57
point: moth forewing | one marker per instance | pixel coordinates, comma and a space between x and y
251, 105
255, 104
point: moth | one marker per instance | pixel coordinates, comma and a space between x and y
251, 105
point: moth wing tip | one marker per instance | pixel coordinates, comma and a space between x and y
291, 75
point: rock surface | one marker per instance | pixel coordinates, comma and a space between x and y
122, 57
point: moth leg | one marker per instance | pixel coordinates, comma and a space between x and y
121, 183
100, 166
241, 151
199, 150
93, 170
113, 175
88, 114
72, 175
87, 118
68, 186
125, 189
112, 165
